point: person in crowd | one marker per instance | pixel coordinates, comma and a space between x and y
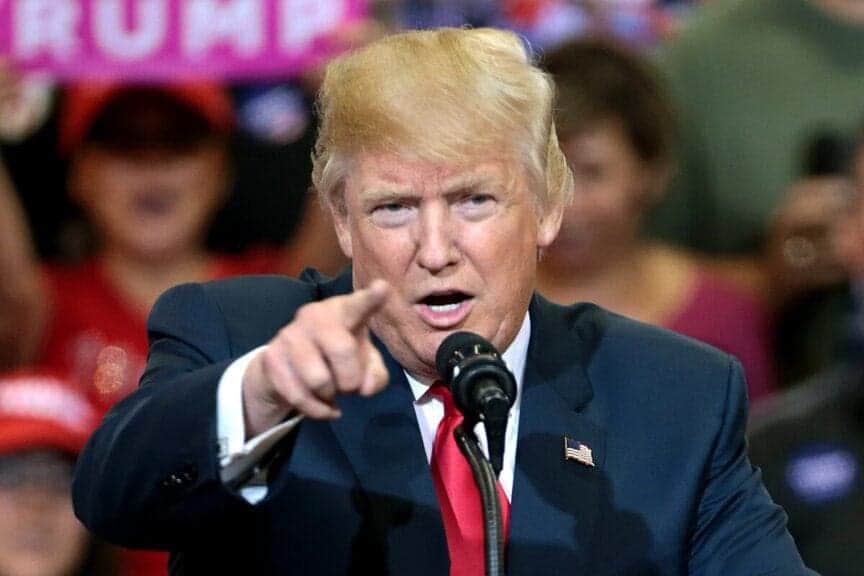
149, 166
617, 131
810, 441
44, 423
300, 425
760, 86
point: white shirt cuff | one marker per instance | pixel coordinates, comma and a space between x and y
237, 456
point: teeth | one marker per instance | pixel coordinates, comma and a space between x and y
444, 307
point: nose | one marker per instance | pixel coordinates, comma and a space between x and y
437, 247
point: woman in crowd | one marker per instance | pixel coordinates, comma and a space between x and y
617, 131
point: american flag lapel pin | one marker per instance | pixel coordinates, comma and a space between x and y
575, 450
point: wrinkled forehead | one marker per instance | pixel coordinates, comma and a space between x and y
387, 174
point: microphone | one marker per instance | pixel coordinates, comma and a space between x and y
483, 387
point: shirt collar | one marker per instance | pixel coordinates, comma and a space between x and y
514, 357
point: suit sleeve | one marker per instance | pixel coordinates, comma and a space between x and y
149, 477
739, 530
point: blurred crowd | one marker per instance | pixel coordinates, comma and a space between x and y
718, 155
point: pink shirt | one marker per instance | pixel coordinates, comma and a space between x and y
724, 316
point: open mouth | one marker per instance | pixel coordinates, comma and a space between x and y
445, 302
445, 309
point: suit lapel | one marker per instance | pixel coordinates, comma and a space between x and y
555, 500
382, 441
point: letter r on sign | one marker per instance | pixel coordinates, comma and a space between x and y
45, 27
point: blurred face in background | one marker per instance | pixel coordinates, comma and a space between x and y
150, 177
39, 534
848, 232
613, 187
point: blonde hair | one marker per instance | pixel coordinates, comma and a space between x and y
440, 95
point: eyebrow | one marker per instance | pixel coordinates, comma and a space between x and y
460, 183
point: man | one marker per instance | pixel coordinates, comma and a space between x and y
286, 426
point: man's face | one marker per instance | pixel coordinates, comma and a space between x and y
458, 244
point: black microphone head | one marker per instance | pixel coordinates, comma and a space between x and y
456, 348
473, 371
482, 386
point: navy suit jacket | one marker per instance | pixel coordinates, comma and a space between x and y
671, 491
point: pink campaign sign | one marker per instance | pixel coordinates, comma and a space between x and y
152, 40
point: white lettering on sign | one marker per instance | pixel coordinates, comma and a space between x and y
169, 39
209, 23
116, 39
45, 27
301, 21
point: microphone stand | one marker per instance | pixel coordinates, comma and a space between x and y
487, 482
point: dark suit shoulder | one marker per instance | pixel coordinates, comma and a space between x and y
650, 347
245, 295
651, 369
246, 311
267, 288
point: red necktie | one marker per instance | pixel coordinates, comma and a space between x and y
458, 495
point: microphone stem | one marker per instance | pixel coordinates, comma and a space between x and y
495, 432
486, 481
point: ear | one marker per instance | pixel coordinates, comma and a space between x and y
549, 224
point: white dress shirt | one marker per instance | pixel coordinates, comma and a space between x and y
238, 455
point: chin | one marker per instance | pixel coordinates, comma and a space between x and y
153, 252
154, 244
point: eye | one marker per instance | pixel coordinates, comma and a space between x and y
391, 214
479, 199
477, 206
390, 207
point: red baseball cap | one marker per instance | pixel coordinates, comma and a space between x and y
83, 103
43, 410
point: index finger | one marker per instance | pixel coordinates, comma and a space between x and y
359, 306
